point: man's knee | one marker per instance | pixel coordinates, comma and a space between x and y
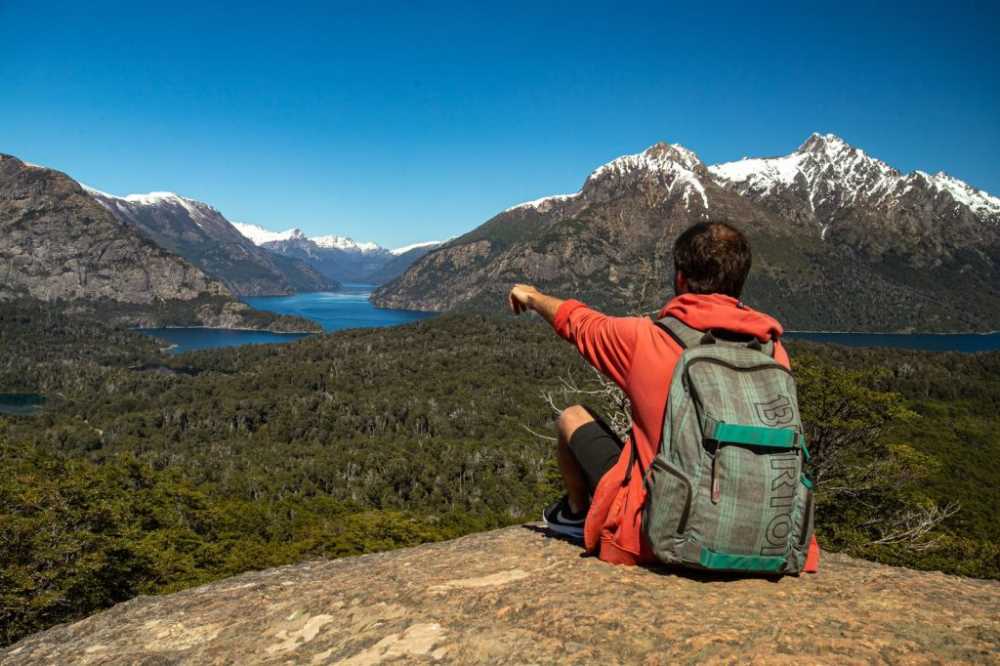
572, 418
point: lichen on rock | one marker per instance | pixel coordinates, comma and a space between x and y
519, 596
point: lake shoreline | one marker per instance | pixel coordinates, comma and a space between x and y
146, 329
811, 332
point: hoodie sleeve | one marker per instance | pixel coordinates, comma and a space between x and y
606, 342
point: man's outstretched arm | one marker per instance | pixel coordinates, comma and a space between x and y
606, 342
524, 297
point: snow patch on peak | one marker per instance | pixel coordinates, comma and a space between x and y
658, 158
673, 162
545, 202
260, 235
197, 210
345, 243
94, 192
151, 198
981, 203
831, 170
406, 248
836, 174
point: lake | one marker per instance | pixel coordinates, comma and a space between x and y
20, 404
960, 342
334, 311
350, 308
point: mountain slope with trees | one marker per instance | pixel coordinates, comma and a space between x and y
149, 473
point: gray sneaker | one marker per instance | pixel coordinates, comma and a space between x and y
560, 518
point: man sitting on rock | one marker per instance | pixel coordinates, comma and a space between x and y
603, 501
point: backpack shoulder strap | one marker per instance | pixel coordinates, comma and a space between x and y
685, 336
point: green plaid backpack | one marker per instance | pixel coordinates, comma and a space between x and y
727, 490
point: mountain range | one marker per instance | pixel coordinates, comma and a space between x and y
338, 257
202, 235
841, 240
59, 244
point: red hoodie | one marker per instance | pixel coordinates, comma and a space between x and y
640, 358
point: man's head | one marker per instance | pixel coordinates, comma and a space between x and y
711, 258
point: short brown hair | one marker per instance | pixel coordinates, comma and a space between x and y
714, 258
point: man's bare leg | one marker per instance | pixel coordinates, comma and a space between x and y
570, 420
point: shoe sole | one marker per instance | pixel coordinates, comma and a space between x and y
565, 530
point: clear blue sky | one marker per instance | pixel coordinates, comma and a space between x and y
399, 123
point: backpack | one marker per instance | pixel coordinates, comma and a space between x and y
727, 490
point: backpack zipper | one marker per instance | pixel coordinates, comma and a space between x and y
716, 483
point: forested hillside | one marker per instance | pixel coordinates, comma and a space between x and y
148, 473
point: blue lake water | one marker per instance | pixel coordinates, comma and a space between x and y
960, 342
20, 404
334, 311
350, 308
190, 339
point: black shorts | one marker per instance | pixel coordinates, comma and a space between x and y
597, 448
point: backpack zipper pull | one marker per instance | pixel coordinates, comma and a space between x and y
716, 485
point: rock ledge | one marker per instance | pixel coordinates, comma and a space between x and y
518, 596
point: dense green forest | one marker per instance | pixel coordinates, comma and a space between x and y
148, 473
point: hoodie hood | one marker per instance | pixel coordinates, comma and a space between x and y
707, 311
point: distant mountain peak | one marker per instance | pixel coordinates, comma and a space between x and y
823, 143
259, 235
661, 157
346, 243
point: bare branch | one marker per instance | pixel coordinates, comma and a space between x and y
912, 528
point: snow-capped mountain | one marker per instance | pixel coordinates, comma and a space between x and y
834, 178
339, 257
672, 165
260, 235
202, 235
347, 244
841, 241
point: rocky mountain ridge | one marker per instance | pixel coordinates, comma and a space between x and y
840, 188
842, 241
57, 243
517, 595
202, 235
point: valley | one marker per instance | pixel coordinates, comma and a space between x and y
259, 419
154, 472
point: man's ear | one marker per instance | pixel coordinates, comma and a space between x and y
680, 283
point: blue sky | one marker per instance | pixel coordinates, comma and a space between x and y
400, 123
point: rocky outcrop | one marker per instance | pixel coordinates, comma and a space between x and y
841, 242
518, 596
58, 243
